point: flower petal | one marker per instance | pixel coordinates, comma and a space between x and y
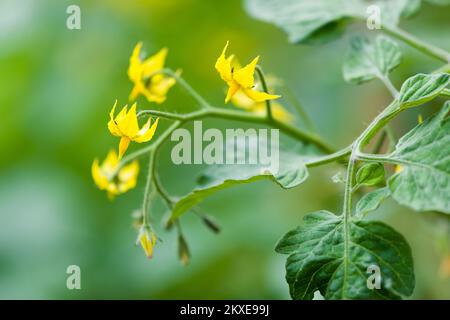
147, 132
223, 66
135, 68
259, 96
234, 87
128, 124
123, 146
154, 63
244, 76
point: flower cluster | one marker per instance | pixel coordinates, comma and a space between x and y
153, 82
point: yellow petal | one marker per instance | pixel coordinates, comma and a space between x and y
147, 244
259, 96
128, 177
135, 68
244, 76
99, 178
223, 66
278, 111
154, 63
231, 91
112, 125
110, 164
147, 132
128, 125
241, 100
123, 146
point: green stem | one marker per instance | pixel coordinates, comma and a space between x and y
214, 112
266, 90
194, 94
339, 155
420, 45
388, 83
146, 201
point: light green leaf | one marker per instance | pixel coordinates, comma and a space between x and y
291, 173
304, 20
370, 174
368, 60
371, 201
328, 256
423, 182
422, 88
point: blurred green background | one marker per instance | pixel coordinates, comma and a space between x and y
57, 87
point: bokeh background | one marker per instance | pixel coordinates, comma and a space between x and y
56, 89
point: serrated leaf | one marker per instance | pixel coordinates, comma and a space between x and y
422, 88
423, 182
304, 20
291, 173
327, 255
370, 174
368, 60
371, 201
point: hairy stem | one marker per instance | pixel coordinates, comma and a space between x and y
420, 45
214, 112
147, 194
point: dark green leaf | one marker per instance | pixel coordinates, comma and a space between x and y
422, 88
368, 60
423, 182
327, 255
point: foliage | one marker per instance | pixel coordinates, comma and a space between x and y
330, 253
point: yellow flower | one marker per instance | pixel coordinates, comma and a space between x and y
144, 74
147, 239
244, 102
107, 178
125, 125
240, 78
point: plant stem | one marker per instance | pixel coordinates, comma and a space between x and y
194, 94
146, 201
388, 83
338, 155
417, 43
215, 112
266, 90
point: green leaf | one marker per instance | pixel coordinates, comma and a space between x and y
291, 173
368, 60
370, 174
423, 182
304, 20
371, 201
422, 88
329, 256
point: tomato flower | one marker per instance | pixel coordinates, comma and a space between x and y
125, 125
144, 74
107, 178
147, 239
240, 79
